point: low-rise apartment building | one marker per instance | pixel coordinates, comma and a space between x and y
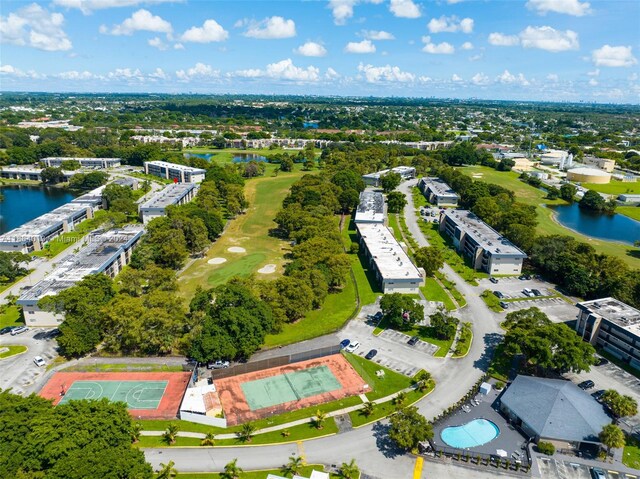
173, 171
437, 192
95, 163
174, 194
28, 173
371, 208
373, 179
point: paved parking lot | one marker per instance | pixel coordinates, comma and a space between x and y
553, 469
399, 337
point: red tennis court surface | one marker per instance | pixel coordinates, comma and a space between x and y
95, 383
237, 407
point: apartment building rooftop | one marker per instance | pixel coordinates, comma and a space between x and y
392, 261
42, 224
175, 166
168, 196
371, 207
615, 311
439, 187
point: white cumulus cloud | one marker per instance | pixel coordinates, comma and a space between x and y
553, 77
569, 7
404, 9
342, 10
377, 35
502, 40
443, 48
271, 28
467, 46
88, 6
210, 31
35, 27
549, 39
141, 20
126, 74
365, 46
608, 56
331, 74
286, 70
508, 78
198, 71
311, 49
11, 71
450, 24
156, 42
386, 73
480, 79
76, 75
593, 82
158, 74
456, 78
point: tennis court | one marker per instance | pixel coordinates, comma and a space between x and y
137, 394
287, 387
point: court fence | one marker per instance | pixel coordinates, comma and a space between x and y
274, 362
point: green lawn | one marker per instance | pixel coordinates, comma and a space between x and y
10, 316
615, 187
632, 212
546, 223
385, 409
426, 334
434, 292
464, 344
386, 385
492, 301
12, 351
631, 453
395, 227
451, 287
305, 471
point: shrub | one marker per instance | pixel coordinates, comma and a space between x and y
499, 385
546, 448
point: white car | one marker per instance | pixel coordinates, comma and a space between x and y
39, 361
352, 347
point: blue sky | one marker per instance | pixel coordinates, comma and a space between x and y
560, 50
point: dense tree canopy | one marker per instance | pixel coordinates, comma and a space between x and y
400, 310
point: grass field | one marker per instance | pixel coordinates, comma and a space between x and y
631, 453
10, 316
385, 409
632, 212
249, 231
434, 292
546, 223
614, 187
386, 385
12, 351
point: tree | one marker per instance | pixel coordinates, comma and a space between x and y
170, 433
553, 193
349, 470
408, 428
368, 409
396, 202
443, 326
232, 470
136, 429
423, 380
401, 311
612, 437
246, 432
592, 200
51, 175
209, 439
294, 466
390, 181
319, 419
400, 399
621, 406
429, 258
286, 164
166, 471
568, 192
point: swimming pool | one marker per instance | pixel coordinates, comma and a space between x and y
471, 434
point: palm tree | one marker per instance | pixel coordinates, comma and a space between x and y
293, 466
319, 419
246, 432
350, 470
136, 429
209, 439
231, 470
612, 437
171, 433
400, 399
167, 471
368, 409
422, 380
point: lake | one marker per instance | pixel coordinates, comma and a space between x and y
606, 227
247, 157
204, 156
23, 203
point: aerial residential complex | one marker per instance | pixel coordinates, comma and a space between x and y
28, 173
373, 179
173, 171
393, 269
174, 194
106, 253
371, 208
437, 192
33, 235
96, 163
613, 326
488, 250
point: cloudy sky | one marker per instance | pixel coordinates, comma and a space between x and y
561, 50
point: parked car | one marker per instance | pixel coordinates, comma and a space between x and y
598, 394
598, 473
527, 292
39, 361
371, 354
218, 364
498, 294
352, 347
493, 280
344, 343
413, 341
536, 292
5, 330
378, 315
588, 384
521, 277
19, 330
504, 305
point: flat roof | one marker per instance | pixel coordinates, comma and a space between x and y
371, 207
439, 187
483, 234
80, 158
93, 258
168, 196
392, 261
175, 166
41, 225
398, 169
613, 310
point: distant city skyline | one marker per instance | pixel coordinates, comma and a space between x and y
540, 50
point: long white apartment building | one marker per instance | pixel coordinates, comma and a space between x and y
28, 173
96, 163
371, 208
393, 269
174, 194
34, 234
437, 192
106, 253
173, 171
487, 249
373, 179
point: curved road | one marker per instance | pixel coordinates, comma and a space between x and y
368, 445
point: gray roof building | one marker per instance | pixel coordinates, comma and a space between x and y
371, 208
554, 409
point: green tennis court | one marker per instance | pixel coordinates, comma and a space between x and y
293, 386
137, 394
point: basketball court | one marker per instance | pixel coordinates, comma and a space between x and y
137, 394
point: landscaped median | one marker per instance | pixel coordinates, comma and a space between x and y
304, 471
9, 351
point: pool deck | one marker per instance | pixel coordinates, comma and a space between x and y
509, 438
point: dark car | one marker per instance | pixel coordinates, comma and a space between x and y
378, 315
588, 384
598, 473
536, 292
522, 277
344, 343
602, 361
598, 394
498, 294
6, 330
493, 280
413, 341
371, 354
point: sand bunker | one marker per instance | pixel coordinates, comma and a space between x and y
267, 269
236, 249
217, 260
